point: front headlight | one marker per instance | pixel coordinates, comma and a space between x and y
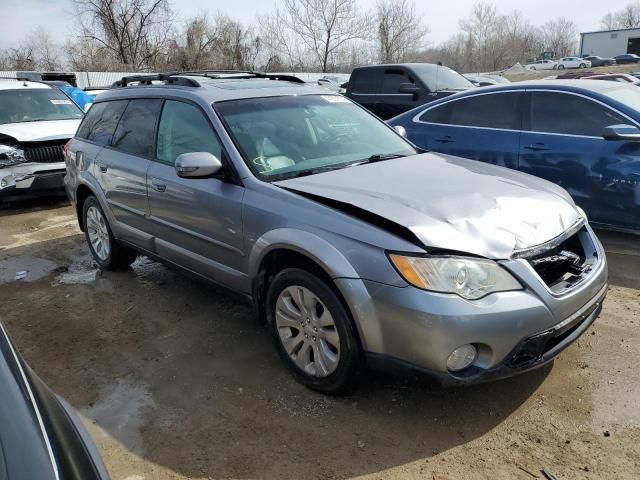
470, 278
10, 156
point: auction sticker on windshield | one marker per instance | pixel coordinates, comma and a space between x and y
335, 99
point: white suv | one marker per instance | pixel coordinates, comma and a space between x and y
573, 62
36, 121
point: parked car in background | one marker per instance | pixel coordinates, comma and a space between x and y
353, 245
388, 90
480, 80
36, 121
597, 61
627, 58
41, 436
331, 82
573, 62
612, 77
580, 134
542, 65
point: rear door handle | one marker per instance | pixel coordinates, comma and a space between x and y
158, 185
537, 147
445, 139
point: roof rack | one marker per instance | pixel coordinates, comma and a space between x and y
181, 78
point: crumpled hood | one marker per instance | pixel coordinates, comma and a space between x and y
40, 131
451, 203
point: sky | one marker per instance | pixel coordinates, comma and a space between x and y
441, 16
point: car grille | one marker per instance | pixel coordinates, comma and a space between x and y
44, 153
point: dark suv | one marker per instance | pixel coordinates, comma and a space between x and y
389, 90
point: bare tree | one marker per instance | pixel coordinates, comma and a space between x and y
560, 36
400, 30
134, 32
627, 17
325, 27
609, 22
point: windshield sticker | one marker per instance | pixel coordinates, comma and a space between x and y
60, 102
336, 99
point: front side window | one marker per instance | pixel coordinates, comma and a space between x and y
282, 137
36, 105
391, 81
101, 121
365, 81
438, 77
497, 110
135, 132
183, 128
556, 112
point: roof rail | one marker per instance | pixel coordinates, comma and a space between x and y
241, 74
167, 78
181, 78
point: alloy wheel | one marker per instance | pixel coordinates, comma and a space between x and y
98, 233
307, 331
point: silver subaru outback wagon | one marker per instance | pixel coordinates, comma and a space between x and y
356, 248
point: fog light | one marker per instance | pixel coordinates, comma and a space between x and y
461, 357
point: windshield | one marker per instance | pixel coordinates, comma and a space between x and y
627, 95
438, 77
33, 105
284, 137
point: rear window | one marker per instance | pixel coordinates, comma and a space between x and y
135, 132
101, 121
36, 105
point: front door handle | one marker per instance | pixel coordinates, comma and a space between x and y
158, 185
445, 139
537, 147
102, 167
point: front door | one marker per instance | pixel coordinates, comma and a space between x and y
563, 143
197, 221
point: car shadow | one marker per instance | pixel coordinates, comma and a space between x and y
167, 369
623, 256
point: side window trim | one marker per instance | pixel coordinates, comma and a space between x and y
520, 110
529, 112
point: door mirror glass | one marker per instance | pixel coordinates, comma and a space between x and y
400, 130
197, 165
627, 133
409, 88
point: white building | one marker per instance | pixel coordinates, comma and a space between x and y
609, 43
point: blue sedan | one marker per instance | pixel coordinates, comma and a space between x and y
583, 135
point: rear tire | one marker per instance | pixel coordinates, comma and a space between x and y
582, 65
313, 331
560, 67
105, 249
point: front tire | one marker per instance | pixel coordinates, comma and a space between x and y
313, 331
560, 67
582, 65
105, 249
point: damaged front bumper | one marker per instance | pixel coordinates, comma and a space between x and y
31, 177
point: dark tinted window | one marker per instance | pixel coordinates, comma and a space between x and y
365, 80
391, 80
438, 77
183, 128
570, 114
135, 131
498, 110
101, 121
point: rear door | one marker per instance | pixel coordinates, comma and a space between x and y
364, 88
197, 221
563, 143
484, 127
122, 167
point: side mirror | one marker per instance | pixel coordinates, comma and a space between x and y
627, 133
409, 88
400, 130
197, 165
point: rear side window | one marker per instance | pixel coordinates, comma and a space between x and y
366, 80
135, 132
183, 128
101, 121
498, 110
555, 112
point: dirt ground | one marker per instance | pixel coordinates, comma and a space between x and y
176, 380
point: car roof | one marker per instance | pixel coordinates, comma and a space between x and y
552, 84
218, 89
16, 84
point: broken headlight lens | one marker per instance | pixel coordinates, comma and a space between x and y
470, 278
10, 156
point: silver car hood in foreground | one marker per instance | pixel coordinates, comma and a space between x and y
450, 203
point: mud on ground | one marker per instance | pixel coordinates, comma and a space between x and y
176, 380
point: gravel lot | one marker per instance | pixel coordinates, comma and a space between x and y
176, 380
